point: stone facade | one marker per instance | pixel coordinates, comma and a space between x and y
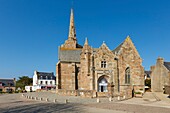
87, 71
160, 75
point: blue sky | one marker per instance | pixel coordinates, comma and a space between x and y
32, 30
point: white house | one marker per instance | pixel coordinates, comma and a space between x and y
42, 81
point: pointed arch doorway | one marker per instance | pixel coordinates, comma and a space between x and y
102, 84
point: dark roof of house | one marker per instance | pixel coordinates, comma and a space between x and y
45, 75
167, 65
148, 72
7, 82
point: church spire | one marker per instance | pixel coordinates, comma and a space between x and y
86, 42
72, 30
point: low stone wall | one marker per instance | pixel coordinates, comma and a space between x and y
87, 93
82, 93
102, 94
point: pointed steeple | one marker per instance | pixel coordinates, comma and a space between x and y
72, 30
86, 42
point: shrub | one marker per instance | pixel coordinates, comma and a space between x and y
138, 93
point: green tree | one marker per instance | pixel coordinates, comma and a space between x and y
23, 81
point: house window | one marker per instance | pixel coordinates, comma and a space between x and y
41, 82
51, 82
127, 76
46, 77
51, 77
103, 64
46, 82
41, 77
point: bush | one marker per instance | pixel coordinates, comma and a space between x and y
138, 93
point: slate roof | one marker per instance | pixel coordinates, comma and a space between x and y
45, 75
69, 55
148, 72
7, 82
79, 46
117, 49
167, 65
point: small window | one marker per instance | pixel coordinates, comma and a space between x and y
41, 77
46, 77
103, 64
46, 82
41, 82
51, 82
127, 76
51, 77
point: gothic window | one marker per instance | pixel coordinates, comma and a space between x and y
103, 64
127, 76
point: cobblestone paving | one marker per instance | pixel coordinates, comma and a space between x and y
15, 103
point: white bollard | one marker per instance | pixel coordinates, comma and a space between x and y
47, 99
66, 101
98, 100
110, 99
124, 97
41, 99
35, 98
55, 100
118, 98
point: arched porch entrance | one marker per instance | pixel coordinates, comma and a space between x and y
103, 84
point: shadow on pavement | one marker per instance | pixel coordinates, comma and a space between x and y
44, 108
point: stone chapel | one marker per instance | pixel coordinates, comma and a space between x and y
94, 72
